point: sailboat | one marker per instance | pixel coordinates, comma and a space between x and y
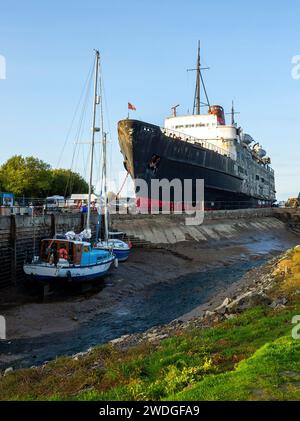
119, 248
72, 256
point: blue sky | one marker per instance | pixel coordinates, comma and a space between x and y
146, 47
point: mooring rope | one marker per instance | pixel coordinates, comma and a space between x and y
123, 184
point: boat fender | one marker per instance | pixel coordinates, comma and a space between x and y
116, 262
69, 276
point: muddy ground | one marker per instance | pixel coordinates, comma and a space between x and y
28, 315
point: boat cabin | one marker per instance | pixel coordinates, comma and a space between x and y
54, 249
74, 252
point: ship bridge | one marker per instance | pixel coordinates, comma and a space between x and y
208, 128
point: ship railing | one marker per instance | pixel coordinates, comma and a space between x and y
201, 142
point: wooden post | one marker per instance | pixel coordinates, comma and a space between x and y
82, 221
13, 247
102, 231
53, 225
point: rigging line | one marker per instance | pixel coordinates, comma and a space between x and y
74, 115
83, 160
69, 178
194, 105
102, 179
204, 89
187, 85
79, 130
97, 169
83, 112
101, 93
101, 99
98, 165
80, 134
72, 179
108, 123
69, 184
86, 164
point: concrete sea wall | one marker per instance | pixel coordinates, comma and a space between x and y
147, 230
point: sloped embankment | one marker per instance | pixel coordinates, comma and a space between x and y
242, 350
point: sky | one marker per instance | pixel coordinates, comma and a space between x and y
146, 47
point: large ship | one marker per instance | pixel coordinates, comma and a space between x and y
234, 167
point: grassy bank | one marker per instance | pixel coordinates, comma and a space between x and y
251, 356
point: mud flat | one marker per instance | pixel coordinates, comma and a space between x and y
158, 284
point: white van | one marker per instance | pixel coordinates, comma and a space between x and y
54, 203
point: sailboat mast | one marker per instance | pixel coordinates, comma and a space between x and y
88, 219
105, 189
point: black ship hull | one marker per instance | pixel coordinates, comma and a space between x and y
151, 154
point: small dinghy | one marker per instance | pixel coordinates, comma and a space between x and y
118, 247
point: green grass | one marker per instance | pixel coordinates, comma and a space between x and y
244, 358
272, 373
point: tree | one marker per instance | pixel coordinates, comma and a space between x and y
31, 177
65, 182
28, 176
1, 182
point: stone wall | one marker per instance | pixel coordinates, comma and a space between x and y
20, 236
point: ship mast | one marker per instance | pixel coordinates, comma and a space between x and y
197, 92
232, 114
199, 81
94, 130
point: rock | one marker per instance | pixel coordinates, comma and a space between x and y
230, 316
221, 310
226, 302
248, 300
118, 340
290, 373
160, 337
78, 355
8, 370
209, 313
279, 307
258, 392
279, 303
74, 318
176, 322
223, 307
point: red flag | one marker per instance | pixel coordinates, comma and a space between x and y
131, 107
